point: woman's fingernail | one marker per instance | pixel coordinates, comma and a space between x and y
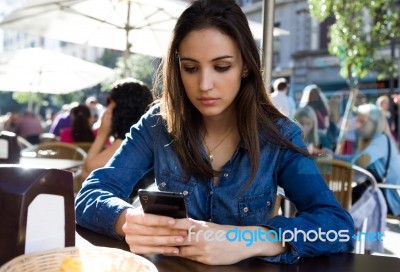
179, 240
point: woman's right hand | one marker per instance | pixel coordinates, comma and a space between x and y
152, 234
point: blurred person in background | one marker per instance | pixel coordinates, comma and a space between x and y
315, 98
127, 102
81, 126
280, 98
96, 109
29, 127
10, 121
62, 119
315, 140
372, 151
383, 103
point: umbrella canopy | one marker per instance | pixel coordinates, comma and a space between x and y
140, 26
44, 71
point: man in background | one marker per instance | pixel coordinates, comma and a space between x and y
280, 98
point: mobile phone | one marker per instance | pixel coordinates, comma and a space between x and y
164, 203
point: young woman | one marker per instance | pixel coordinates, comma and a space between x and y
315, 98
127, 102
216, 137
315, 141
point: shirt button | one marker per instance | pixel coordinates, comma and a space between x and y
162, 184
226, 175
268, 203
245, 209
210, 220
185, 193
211, 192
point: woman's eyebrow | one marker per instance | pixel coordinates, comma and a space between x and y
215, 59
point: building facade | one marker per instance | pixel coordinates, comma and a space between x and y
302, 56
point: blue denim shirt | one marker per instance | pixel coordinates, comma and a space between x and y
148, 146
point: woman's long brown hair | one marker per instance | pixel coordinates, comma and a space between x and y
255, 115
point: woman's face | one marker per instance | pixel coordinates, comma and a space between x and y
307, 124
365, 127
211, 67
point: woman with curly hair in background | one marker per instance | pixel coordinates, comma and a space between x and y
127, 102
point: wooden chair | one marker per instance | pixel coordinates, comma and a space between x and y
84, 145
339, 176
55, 150
278, 202
283, 206
47, 137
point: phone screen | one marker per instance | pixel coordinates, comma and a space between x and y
163, 203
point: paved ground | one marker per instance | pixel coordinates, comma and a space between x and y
391, 240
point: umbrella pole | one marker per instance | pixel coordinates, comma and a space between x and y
30, 101
128, 45
267, 41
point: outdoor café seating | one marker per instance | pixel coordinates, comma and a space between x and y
55, 150
339, 176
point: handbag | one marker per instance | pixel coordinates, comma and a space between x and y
363, 185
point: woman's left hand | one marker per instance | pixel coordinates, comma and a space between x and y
206, 243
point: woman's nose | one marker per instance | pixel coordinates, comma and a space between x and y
206, 81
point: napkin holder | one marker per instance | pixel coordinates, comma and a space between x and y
9, 147
36, 210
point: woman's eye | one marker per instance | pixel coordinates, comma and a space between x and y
190, 69
222, 68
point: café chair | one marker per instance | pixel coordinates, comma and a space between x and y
55, 150
9, 147
47, 137
283, 206
23, 143
37, 211
84, 145
339, 176
363, 175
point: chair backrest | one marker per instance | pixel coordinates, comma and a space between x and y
84, 145
48, 137
23, 143
55, 150
339, 176
278, 202
362, 175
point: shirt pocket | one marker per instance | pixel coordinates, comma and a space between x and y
256, 209
172, 182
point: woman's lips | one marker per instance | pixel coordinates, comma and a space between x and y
208, 101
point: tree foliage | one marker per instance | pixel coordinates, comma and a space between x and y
361, 28
138, 66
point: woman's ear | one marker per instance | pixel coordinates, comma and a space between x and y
245, 72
